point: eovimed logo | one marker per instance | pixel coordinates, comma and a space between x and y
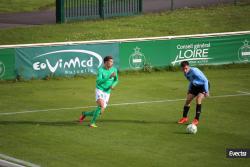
68, 60
2, 69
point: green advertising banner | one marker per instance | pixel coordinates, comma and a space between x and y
66, 60
80, 59
7, 64
134, 55
211, 50
198, 51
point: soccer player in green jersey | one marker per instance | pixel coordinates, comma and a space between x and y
107, 79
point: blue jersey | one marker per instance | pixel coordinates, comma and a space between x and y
197, 78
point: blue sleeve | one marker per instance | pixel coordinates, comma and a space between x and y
201, 78
206, 86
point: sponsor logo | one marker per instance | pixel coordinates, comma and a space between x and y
194, 53
2, 69
244, 52
238, 153
70, 61
137, 59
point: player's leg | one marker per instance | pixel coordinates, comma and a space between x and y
99, 95
97, 112
186, 108
86, 114
199, 99
102, 103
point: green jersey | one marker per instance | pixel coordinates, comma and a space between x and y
103, 80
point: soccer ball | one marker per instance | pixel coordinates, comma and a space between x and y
191, 128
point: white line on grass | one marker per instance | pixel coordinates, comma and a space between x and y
7, 161
4, 163
243, 92
127, 40
122, 104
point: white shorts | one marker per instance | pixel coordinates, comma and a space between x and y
99, 94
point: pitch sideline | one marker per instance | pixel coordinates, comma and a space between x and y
7, 161
124, 104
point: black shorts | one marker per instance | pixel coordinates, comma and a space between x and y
195, 90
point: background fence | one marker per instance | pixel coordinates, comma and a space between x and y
68, 10
163, 5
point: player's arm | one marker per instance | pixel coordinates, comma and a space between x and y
203, 79
115, 79
189, 86
100, 79
205, 82
190, 83
206, 88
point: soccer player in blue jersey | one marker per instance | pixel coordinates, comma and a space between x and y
198, 87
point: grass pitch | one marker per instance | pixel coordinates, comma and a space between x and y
128, 135
13, 6
222, 18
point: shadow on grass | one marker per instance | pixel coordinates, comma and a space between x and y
136, 121
47, 123
76, 122
182, 133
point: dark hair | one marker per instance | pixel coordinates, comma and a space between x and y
107, 58
184, 63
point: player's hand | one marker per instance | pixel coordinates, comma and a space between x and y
113, 75
206, 94
111, 87
102, 112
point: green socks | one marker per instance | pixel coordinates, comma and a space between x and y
88, 113
94, 113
